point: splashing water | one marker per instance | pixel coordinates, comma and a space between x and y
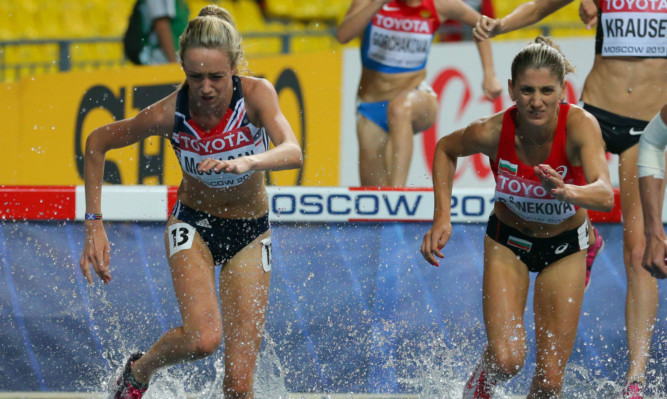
203, 379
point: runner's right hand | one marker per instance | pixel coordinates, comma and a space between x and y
96, 251
434, 240
655, 257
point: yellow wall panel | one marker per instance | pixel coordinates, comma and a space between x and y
50, 117
10, 112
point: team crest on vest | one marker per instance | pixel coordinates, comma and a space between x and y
508, 167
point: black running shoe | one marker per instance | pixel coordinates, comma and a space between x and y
127, 387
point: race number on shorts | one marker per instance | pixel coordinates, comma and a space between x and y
266, 254
181, 236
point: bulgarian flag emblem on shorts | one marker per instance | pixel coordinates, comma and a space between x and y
507, 167
519, 243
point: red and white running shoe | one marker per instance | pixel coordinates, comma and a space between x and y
478, 386
593, 251
634, 390
127, 386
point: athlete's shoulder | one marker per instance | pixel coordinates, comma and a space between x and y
579, 117
158, 116
485, 131
253, 85
491, 124
257, 91
582, 127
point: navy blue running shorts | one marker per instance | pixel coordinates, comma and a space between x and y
224, 237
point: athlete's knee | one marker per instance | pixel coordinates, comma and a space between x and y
634, 253
636, 256
507, 362
204, 343
399, 108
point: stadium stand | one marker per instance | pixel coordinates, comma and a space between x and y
38, 37
307, 9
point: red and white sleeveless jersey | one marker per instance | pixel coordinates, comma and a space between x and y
517, 186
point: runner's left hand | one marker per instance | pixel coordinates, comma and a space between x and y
552, 181
237, 166
588, 13
492, 87
485, 28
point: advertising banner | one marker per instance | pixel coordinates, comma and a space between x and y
50, 117
286, 204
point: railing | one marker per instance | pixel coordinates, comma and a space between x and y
22, 57
66, 56
12, 68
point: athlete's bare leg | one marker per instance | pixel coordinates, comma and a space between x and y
244, 294
559, 292
193, 275
505, 289
372, 140
641, 301
409, 112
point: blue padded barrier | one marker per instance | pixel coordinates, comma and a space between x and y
353, 308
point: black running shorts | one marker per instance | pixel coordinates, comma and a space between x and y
537, 253
224, 237
619, 132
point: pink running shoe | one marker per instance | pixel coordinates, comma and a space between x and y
593, 251
634, 390
127, 386
478, 386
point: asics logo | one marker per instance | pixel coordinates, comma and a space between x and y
561, 248
634, 132
387, 8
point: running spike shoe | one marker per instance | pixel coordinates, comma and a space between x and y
593, 251
634, 390
127, 387
478, 386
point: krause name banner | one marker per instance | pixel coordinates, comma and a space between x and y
286, 204
634, 28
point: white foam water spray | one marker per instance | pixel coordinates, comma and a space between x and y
203, 379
